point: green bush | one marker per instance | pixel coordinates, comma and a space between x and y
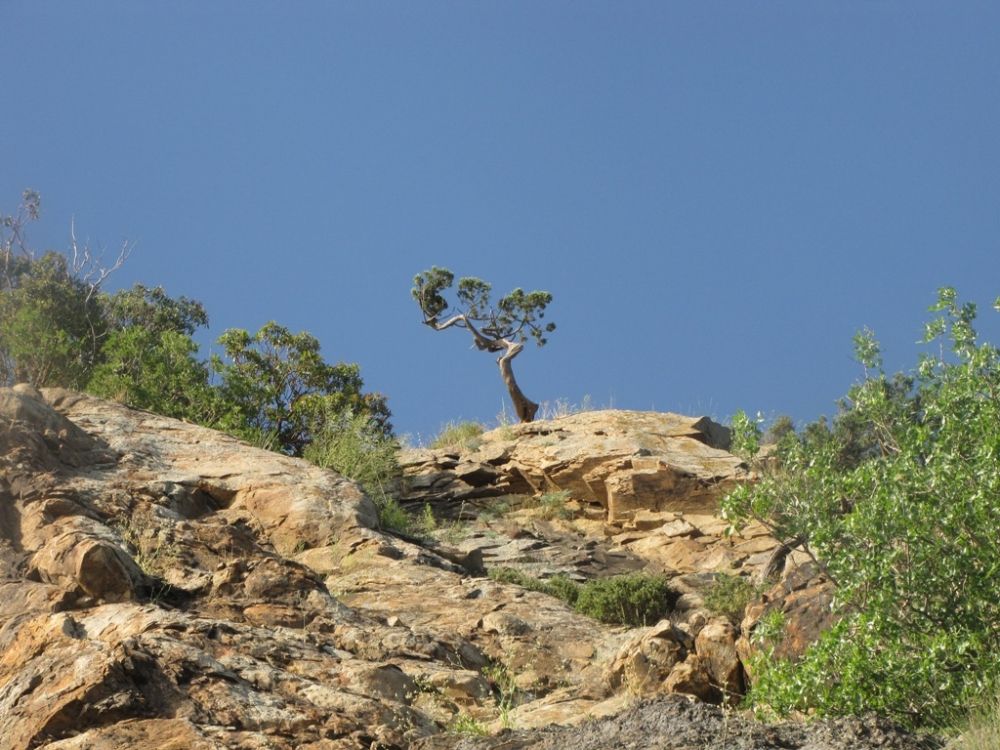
278, 380
559, 586
729, 596
899, 501
632, 599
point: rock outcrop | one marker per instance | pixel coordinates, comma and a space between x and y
166, 586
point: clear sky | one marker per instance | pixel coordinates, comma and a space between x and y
718, 195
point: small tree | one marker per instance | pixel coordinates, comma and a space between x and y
501, 329
899, 502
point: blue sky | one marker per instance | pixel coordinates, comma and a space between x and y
718, 195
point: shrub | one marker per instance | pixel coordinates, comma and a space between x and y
356, 446
899, 501
458, 436
632, 599
729, 596
560, 586
563, 587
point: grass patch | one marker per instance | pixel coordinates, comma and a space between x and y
553, 505
354, 446
560, 586
466, 725
459, 436
729, 596
982, 731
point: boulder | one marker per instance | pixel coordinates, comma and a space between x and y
646, 659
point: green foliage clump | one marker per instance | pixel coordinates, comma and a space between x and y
745, 435
632, 599
729, 595
458, 436
277, 380
50, 316
559, 586
356, 446
58, 328
148, 359
899, 502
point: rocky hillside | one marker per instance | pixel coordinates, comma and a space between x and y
166, 586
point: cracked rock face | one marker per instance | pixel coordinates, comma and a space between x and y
166, 586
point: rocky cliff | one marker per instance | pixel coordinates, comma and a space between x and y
166, 586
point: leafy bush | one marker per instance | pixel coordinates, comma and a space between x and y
632, 599
156, 371
899, 501
458, 436
277, 380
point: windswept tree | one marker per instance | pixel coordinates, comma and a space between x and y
500, 329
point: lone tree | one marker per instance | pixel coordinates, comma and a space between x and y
502, 329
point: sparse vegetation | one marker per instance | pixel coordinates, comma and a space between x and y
356, 446
502, 682
467, 725
982, 729
553, 505
458, 436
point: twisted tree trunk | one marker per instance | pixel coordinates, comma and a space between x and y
524, 407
